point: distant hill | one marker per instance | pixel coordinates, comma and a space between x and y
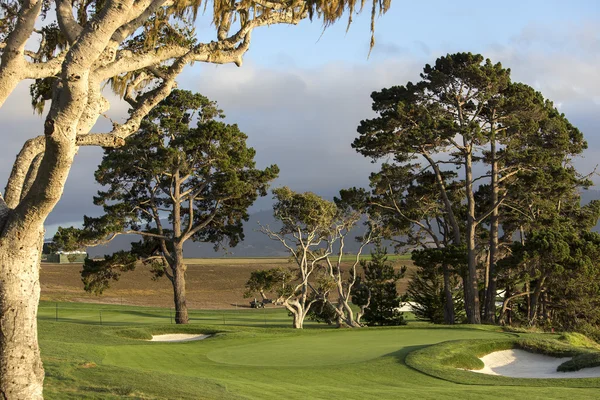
256, 244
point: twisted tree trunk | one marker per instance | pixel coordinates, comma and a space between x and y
298, 312
21, 371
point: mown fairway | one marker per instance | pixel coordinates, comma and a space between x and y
87, 361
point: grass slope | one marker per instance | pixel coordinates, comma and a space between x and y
87, 361
450, 360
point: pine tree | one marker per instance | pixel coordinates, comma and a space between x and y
376, 291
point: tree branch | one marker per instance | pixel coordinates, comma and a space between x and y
31, 175
67, 106
140, 13
4, 213
64, 15
12, 62
28, 153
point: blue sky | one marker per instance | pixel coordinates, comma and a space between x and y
422, 29
302, 92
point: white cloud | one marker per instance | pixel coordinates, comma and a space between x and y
304, 119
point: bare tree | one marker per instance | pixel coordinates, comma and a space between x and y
306, 229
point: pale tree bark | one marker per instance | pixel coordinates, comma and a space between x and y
13, 66
363, 307
21, 372
300, 248
96, 52
41, 168
345, 314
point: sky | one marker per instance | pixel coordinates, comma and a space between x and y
302, 90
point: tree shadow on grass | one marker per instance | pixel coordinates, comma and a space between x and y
401, 354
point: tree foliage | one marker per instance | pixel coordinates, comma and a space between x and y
275, 281
184, 176
426, 287
71, 50
376, 293
466, 114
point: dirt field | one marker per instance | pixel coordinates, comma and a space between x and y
211, 284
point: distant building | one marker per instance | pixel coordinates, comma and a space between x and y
66, 257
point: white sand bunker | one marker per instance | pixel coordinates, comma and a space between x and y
178, 337
523, 364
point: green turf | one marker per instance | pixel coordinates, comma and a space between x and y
450, 360
89, 361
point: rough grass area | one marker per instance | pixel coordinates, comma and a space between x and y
580, 361
579, 340
92, 361
450, 360
216, 283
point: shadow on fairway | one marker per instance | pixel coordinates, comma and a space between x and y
401, 354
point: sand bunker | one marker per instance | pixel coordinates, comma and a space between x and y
178, 337
522, 364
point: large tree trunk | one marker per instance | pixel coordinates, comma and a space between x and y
340, 315
298, 313
471, 286
535, 296
490, 297
298, 321
345, 314
21, 371
299, 310
449, 316
181, 311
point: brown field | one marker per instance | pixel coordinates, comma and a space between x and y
211, 283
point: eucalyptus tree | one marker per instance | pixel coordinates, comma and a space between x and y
72, 49
171, 183
466, 112
306, 221
314, 231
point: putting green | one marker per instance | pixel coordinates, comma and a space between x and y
326, 348
87, 362
331, 348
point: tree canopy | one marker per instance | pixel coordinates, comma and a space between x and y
173, 182
466, 114
72, 49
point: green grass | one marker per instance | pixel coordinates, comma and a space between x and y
90, 361
117, 315
450, 360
